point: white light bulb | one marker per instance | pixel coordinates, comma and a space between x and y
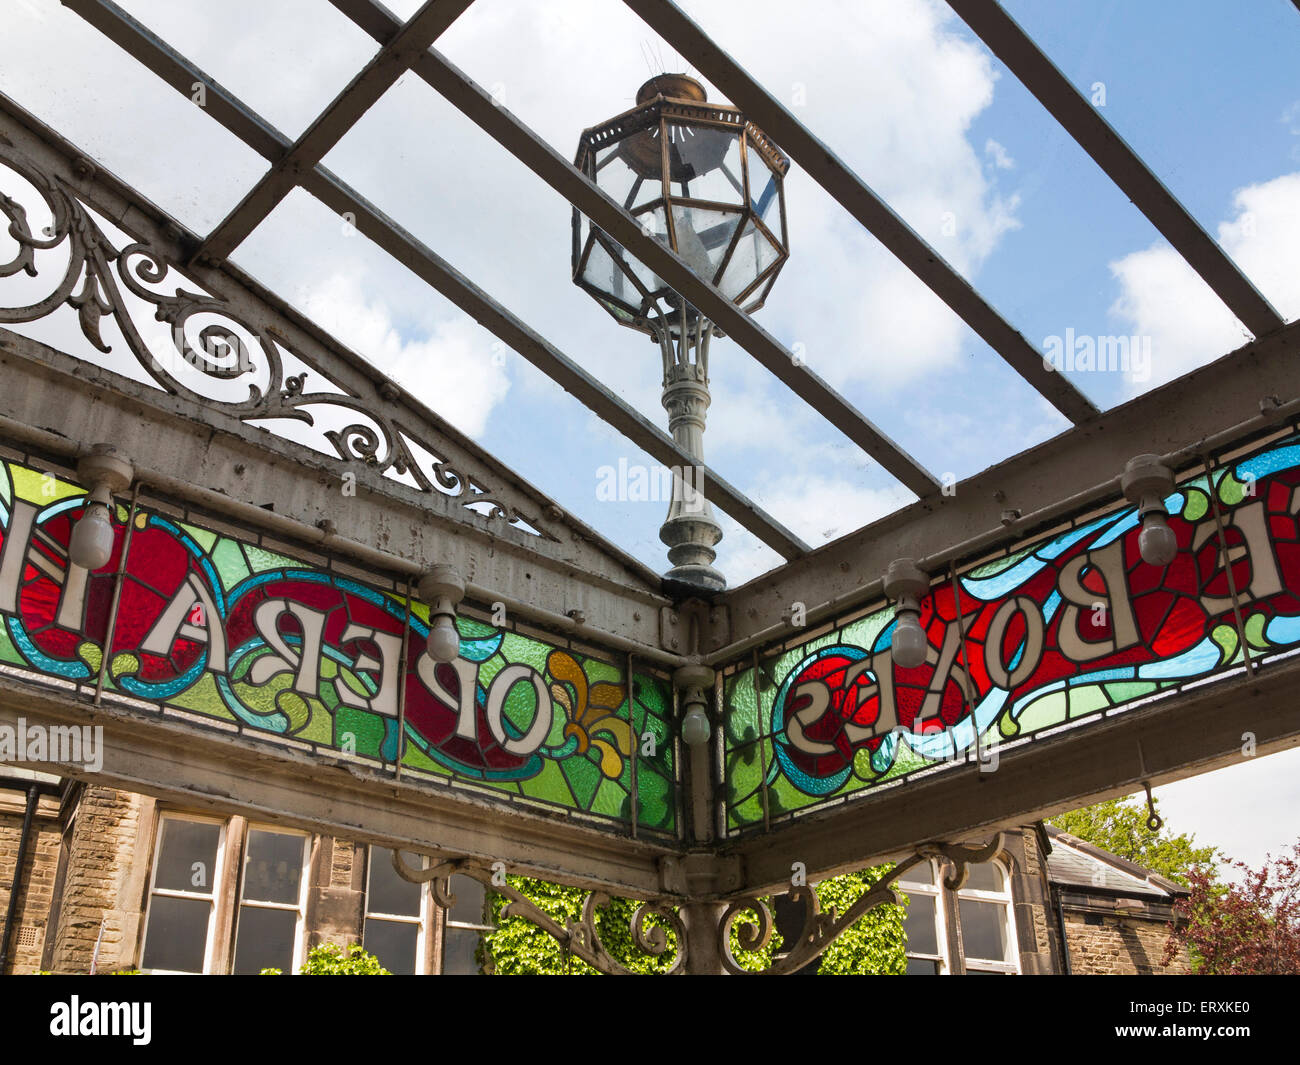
1157, 543
91, 545
909, 642
444, 640
695, 727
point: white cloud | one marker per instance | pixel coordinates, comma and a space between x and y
1162, 297
451, 367
998, 155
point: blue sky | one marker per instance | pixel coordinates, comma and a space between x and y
1205, 92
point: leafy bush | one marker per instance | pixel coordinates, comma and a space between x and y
329, 959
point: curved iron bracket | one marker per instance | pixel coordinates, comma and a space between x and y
579, 938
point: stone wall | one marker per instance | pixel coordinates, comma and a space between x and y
40, 866
108, 856
1119, 944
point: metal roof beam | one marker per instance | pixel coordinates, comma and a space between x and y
862, 203
378, 76
564, 178
1006, 40
253, 130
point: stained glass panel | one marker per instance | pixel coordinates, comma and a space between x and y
1071, 627
231, 630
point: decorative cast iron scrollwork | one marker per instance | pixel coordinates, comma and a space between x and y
819, 930
581, 937
204, 339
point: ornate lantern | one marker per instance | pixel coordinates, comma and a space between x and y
707, 183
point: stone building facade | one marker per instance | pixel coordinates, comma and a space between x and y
112, 880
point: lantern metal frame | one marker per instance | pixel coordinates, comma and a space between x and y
667, 103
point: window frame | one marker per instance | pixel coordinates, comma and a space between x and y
1007, 903
448, 923
952, 958
213, 898
934, 890
424, 920
238, 902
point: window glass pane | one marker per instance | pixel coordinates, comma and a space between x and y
264, 940
388, 892
984, 930
471, 902
177, 935
987, 876
460, 952
919, 874
187, 859
922, 967
919, 925
273, 867
394, 944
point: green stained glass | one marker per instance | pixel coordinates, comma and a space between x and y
358, 730
515, 648
749, 812
744, 771
40, 488
1087, 698
415, 758
1196, 506
742, 708
520, 709
1254, 628
260, 559
1231, 490
610, 798
202, 537
204, 698
1045, 711
998, 565
467, 627
655, 807
8, 652
550, 783
1123, 691
584, 778
1226, 637
230, 563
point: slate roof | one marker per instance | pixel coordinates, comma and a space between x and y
1075, 863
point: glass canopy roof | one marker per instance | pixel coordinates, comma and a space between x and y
905, 94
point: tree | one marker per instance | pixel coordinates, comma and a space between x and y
1120, 826
1250, 928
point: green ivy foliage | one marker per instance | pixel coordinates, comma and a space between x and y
876, 944
519, 948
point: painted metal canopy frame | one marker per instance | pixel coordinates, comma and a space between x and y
249, 646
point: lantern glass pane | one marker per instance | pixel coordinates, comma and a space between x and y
754, 253
654, 220
703, 237
704, 163
616, 177
604, 274
764, 194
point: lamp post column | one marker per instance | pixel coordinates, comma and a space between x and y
691, 530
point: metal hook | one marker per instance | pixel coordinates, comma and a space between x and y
1154, 821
